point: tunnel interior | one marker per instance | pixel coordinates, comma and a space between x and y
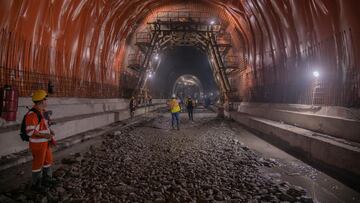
188, 86
285, 70
178, 62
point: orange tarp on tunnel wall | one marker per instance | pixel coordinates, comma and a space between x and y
62, 38
70, 43
78, 42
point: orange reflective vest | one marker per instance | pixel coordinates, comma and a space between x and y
33, 126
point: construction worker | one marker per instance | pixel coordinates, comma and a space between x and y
40, 139
132, 107
149, 99
190, 108
175, 112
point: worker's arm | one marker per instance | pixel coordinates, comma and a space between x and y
169, 104
52, 132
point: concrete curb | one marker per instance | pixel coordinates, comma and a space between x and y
25, 155
338, 157
10, 142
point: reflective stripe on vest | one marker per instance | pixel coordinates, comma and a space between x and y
38, 140
36, 127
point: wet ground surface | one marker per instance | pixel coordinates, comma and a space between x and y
209, 160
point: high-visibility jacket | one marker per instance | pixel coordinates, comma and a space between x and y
33, 126
174, 106
40, 147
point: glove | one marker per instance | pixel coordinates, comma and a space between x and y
53, 142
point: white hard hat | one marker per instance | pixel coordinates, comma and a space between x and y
173, 96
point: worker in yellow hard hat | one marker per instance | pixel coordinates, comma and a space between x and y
175, 112
40, 139
39, 95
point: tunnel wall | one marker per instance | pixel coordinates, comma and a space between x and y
72, 116
288, 40
79, 46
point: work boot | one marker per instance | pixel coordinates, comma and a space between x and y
48, 180
36, 182
178, 128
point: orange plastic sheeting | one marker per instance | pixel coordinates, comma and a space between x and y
288, 40
80, 39
85, 39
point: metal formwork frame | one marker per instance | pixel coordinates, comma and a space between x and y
171, 28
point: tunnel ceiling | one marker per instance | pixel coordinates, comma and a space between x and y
86, 39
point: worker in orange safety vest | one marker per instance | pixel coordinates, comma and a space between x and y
40, 139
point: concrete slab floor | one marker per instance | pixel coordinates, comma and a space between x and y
321, 187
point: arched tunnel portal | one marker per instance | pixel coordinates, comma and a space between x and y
178, 62
188, 86
288, 71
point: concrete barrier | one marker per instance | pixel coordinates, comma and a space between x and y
68, 107
339, 122
338, 156
73, 116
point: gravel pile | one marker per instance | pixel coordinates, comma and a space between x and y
203, 162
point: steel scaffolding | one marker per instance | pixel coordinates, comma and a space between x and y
185, 28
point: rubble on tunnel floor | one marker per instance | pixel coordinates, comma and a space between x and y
202, 162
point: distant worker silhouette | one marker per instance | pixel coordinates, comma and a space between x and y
190, 108
132, 107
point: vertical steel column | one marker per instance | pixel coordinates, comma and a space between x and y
219, 64
146, 60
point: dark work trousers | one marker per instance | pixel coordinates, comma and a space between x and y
190, 113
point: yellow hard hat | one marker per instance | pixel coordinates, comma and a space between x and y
39, 95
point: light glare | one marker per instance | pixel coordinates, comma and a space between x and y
156, 57
149, 75
316, 74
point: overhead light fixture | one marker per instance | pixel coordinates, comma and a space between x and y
150, 74
156, 57
316, 74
